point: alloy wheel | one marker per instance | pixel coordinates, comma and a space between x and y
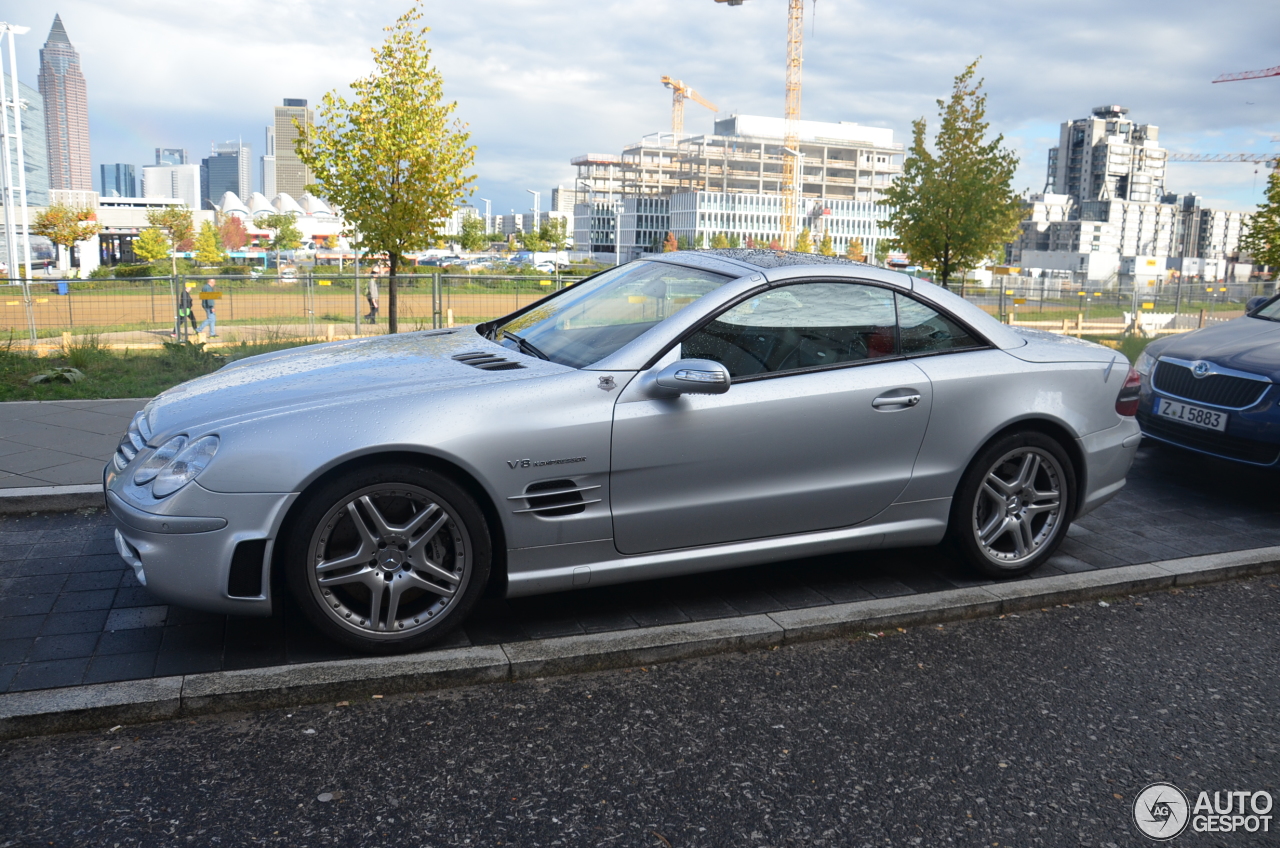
388, 562
1019, 506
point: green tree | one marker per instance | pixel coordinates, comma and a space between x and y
683, 243
66, 226
393, 158
855, 251
883, 247
1261, 238
152, 245
701, 241
719, 241
554, 233
951, 208
671, 244
735, 241
827, 248
285, 234
175, 223
473, 236
207, 245
532, 241
804, 243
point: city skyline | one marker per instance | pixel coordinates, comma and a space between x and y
567, 81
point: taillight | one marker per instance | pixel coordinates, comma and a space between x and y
1127, 400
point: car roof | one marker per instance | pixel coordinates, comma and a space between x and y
779, 264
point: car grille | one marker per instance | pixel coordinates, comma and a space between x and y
487, 361
134, 440
1209, 441
552, 498
1215, 389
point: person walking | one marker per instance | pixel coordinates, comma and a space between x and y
371, 295
185, 313
209, 305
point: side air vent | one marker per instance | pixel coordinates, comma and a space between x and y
553, 498
487, 361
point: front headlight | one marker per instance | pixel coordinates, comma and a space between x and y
185, 466
148, 470
1145, 364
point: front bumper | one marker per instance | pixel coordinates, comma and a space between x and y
186, 558
1252, 435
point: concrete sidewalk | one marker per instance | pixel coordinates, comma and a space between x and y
61, 442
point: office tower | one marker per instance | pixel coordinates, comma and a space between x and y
171, 156
177, 181
1107, 157
119, 181
35, 156
66, 112
292, 177
268, 175
227, 170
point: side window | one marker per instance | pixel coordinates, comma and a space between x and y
924, 330
806, 325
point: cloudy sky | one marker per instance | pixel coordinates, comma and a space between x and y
540, 82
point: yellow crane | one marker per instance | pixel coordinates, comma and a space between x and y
679, 91
791, 167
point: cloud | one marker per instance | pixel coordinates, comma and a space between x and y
540, 82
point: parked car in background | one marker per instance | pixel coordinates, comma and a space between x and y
1213, 390
688, 412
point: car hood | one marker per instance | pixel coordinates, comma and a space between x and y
1245, 344
359, 371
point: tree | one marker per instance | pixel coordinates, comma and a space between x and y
554, 233
208, 247
285, 232
950, 209
883, 246
532, 241
473, 236
1261, 238
152, 245
775, 245
66, 226
751, 243
671, 244
804, 243
855, 251
175, 223
735, 241
392, 158
232, 232
683, 243
701, 241
719, 242
827, 248
331, 242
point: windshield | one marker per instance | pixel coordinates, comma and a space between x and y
1270, 311
599, 316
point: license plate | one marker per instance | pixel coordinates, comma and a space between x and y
1185, 413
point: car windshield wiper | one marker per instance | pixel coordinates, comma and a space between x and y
526, 346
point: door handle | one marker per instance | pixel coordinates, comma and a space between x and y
897, 400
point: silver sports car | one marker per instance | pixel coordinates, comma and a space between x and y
687, 412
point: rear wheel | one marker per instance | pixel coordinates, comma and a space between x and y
1014, 504
389, 558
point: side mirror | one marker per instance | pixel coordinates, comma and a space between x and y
1254, 302
693, 377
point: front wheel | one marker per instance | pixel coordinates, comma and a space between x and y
389, 558
1014, 504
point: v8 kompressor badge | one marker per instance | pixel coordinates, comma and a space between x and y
529, 463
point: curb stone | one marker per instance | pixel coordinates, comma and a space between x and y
51, 498
107, 704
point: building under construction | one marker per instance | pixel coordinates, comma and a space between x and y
732, 182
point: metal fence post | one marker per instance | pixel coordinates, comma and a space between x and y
28, 306
436, 297
309, 298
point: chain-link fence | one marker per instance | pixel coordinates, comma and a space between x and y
323, 303
147, 311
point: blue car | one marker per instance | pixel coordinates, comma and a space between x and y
1214, 390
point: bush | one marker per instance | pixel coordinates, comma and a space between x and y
128, 271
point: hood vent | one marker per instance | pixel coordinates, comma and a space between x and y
553, 498
486, 361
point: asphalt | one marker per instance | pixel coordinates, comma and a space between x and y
1030, 730
71, 612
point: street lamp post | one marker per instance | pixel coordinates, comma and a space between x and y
13, 102
537, 209
790, 239
488, 226
618, 208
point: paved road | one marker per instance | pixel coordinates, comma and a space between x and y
71, 612
1030, 731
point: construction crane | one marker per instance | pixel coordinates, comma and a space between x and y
1243, 75
679, 91
1224, 157
792, 175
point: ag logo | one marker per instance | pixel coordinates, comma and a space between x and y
1200, 369
1161, 811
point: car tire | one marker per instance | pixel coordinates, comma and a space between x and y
389, 558
1014, 504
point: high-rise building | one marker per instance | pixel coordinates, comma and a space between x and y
66, 112
35, 154
227, 170
171, 156
1107, 157
177, 181
119, 181
269, 164
292, 177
